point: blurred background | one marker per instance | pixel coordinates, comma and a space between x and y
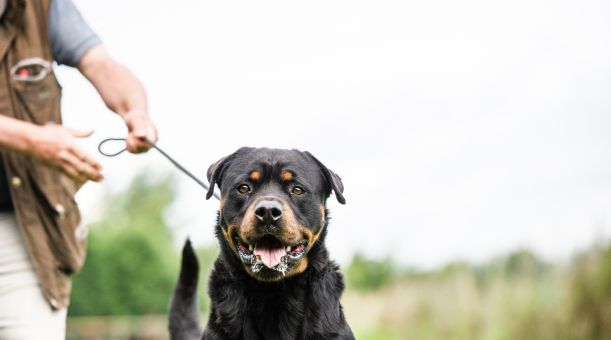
472, 138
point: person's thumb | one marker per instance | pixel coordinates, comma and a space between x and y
80, 133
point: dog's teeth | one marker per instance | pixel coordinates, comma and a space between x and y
251, 247
288, 249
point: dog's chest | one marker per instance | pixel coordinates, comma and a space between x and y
276, 313
270, 314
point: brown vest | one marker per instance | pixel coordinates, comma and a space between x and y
43, 198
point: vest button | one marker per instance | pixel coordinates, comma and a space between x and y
16, 181
61, 211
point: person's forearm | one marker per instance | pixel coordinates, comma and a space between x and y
121, 91
119, 88
123, 94
15, 135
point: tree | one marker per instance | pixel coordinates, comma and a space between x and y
131, 265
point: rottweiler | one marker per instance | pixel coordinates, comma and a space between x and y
273, 278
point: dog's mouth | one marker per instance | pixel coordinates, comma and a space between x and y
271, 253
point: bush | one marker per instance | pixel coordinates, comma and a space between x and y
591, 295
366, 274
131, 265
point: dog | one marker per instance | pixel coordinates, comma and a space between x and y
273, 278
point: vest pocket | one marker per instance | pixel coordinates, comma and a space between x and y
38, 101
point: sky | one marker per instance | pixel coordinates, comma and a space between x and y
461, 130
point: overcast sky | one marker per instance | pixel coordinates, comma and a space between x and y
461, 129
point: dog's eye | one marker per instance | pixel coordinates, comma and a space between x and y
297, 191
243, 189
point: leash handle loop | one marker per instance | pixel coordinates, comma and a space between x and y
112, 140
153, 145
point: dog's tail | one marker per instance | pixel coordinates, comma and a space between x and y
184, 316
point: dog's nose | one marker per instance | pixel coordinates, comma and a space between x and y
268, 211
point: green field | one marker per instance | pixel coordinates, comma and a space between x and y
132, 266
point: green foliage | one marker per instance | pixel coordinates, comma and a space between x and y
591, 295
131, 264
517, 296
366, 274
206, 257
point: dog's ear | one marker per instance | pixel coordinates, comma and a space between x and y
214, 173
216, 170
334, 182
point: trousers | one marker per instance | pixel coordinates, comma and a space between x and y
24, 312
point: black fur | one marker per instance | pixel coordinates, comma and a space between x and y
184, 309
246, 306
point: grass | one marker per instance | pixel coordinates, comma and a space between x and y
378, 334
514, 297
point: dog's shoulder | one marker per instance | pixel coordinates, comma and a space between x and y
326, 319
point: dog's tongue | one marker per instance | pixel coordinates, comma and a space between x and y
270, 257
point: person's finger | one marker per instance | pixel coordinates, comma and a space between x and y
136, 145
82, 155
80, 133
131, 144
67, 168
83, 169
152, 134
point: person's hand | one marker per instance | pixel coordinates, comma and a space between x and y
141, 129
56, 146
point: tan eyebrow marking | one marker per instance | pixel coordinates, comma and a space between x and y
287, 176
255, 176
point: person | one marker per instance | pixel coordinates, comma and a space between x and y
42, 239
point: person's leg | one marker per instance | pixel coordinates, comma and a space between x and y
24, 312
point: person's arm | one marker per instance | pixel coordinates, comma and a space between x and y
54, 145
122, 93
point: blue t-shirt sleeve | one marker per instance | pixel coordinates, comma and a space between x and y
70, 35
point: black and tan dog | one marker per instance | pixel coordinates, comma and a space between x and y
273, 278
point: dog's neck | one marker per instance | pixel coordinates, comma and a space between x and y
303, 306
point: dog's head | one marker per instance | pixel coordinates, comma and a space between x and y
272, 207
